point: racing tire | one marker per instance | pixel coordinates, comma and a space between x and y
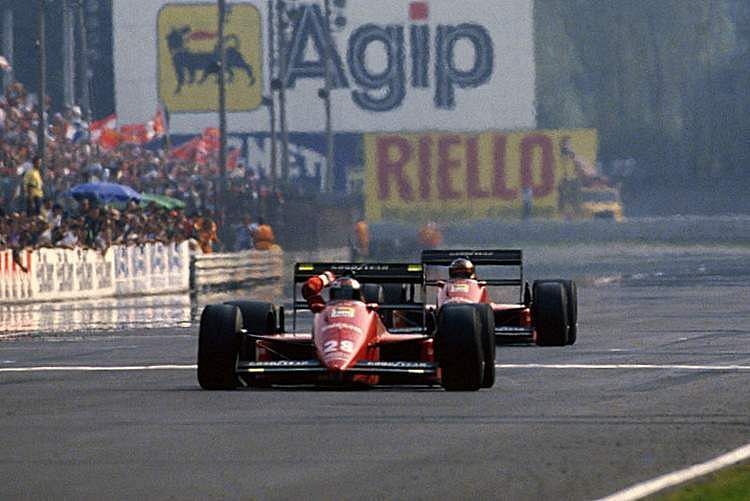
258, 317
394, 293
372, 293
571, 291
549, 312
218, 346
487, 321
459, 347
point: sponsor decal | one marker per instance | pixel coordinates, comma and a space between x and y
448, 176
395, 365
342, 325
460, 288
342, 312
287, 363
188, 57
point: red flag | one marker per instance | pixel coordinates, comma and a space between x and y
109, 139
97, 126
187, 150
210, 139
156, 127
134, 133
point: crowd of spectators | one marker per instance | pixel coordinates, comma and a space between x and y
73, 157
96, 227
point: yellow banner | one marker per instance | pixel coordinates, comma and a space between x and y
450, 177
188, 57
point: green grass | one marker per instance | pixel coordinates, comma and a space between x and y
729, 484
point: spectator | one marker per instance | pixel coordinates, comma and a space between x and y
263, 236
33, 188
243, 239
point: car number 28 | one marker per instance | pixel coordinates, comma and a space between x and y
335, 345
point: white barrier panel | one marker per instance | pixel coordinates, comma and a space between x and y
236, 267
53, 274
15, 282
152, 269
71, 274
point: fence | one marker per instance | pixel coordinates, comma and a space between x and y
210, 270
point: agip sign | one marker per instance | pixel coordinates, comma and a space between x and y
401, 65
381, 86
398, 65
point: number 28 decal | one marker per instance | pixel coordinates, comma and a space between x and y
334, 345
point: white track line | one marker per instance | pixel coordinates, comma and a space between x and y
103, 368
649, 487
628, 366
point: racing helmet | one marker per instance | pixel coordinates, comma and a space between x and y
461, 268
345, 288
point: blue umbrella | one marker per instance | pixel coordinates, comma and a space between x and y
105, 192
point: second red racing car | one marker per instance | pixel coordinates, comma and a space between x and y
545, 313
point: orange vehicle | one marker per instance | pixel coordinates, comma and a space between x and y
545, 314
356, 335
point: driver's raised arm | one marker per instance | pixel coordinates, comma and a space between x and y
312, 288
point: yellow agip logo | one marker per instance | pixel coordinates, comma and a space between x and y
188, 57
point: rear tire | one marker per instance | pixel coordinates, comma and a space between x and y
549, 312
487, 320
571, 291
459, 347
218, 347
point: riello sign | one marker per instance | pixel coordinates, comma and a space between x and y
381, 63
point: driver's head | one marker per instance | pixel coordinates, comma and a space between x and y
461, 268
345, 288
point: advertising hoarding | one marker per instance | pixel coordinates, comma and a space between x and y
447, 177
396, 64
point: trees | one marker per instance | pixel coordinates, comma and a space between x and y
664, 81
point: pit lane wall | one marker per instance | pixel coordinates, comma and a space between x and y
53, 274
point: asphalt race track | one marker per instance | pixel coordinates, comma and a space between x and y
658, 380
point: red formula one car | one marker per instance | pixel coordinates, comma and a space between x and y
546, 314
361, 334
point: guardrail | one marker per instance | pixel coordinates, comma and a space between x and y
52, 274
211, 270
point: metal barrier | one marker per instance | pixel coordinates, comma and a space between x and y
53, 274
211, 270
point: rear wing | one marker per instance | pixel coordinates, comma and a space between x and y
373, 273
503, 257
376, 273
496, 257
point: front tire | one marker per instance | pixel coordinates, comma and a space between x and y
549, 313
259, 318
218, 347
459, 347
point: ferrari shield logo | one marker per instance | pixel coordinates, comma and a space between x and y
188, 57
